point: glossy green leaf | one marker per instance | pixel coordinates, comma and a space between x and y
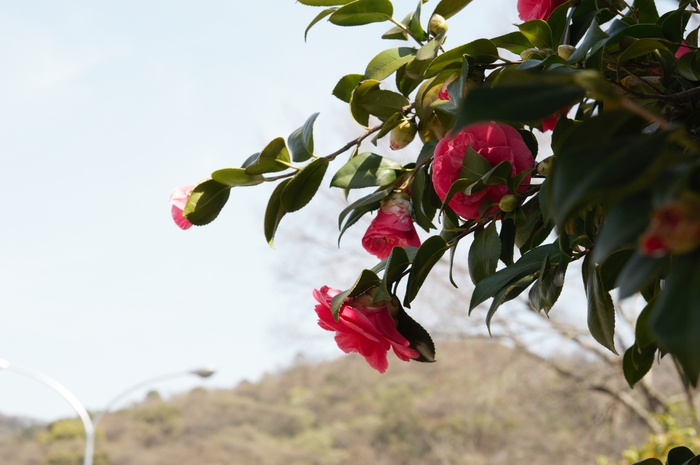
301, 141
639, 272
274, 212
304, 185
449, 8
612, 165
507, 238
387, 62
514, 42
538, 33
427, 256
675, 319
396, 119
318, 18
642, 330
639, 48
558, 21
205, 202
417, 336
601, 311
360, 12
270, 158
367, 280
234, 177
689, 66
681, 455
623, 225
483, 51
484, 254
399, 33
509, 292
527, 101
366, 170
414, 24
528, 264
591, 42
368, 200
396, 264
632, 372
343, 90
368, 99
646, 11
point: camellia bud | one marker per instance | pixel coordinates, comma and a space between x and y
565, 51
437, 25
525, 54
402, 135
545, 166
508, 203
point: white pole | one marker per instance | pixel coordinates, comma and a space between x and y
58, 387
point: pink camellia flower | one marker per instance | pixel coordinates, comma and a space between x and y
178, 199
674, 228
367, 330
537, 9
496, 142
392, 227
550, 122
682, 50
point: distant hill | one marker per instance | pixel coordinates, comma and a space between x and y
10, 427
481, 403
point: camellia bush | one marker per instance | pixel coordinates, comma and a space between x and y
617, 85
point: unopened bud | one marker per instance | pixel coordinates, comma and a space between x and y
437, 25
527, 53
545, 166
402, 135
508, 203
565, 51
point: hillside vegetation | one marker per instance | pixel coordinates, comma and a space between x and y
481, 403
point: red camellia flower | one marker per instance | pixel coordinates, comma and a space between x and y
674, 228
178, 200
367, 330
537, 9
682, 50
496, 142
550, 122
392, 227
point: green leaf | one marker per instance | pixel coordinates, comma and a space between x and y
367, 99
361, 12
324, 2
474, 166
366, 170
423, 211
601, 311
417, 336
367, 280
634, 373
205, 202
528, 101
397, 263
318, 18
268, 160
538, 32
642, 330
301, 141
591, 42
514, 42
528, 264
368, 200
689, 66
646, 11
681, 455
639, 48
304, 185
558, 22
414, 24
274, 212
398, 33
234, 177
387, 62
484, 254
449, 8
509, 292
396, 119
675, 319
507, 238
546, 291
612, 165
623, 225
639, 272
427, 256
343, 90
483, 51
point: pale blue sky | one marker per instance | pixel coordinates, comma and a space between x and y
104, 109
